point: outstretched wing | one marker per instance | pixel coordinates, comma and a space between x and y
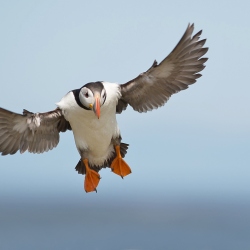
179, 69
36, 133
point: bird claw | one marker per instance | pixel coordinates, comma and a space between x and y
119, 166
92, 178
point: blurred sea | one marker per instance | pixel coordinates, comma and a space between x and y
57, 223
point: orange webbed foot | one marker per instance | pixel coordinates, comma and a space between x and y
92, 178
119, 166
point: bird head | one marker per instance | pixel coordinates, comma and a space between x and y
92, 96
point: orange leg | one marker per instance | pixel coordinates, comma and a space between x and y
92, 178
119, 166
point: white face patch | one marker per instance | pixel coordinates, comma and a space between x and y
86, 97
103, 96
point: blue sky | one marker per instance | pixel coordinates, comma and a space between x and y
196, 145
189, 187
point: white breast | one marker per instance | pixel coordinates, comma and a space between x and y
90, 133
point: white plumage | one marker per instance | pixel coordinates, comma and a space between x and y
90, 133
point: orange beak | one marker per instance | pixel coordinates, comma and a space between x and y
96, 106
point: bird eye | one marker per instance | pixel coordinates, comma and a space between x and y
86, 94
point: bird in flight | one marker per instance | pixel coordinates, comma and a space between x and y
90, 112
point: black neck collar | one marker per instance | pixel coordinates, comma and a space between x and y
76, 93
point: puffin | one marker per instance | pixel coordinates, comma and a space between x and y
90, 112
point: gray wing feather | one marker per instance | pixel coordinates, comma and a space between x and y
36, 133
179, 69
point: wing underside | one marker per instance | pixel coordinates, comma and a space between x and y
32, 132
176, 72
